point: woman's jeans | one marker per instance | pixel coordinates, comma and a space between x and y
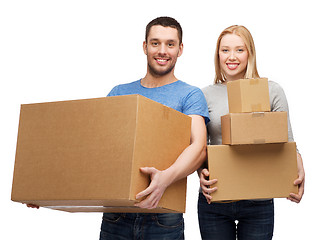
124, 226
255, 219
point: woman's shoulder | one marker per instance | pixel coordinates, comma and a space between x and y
274, 86
214, 88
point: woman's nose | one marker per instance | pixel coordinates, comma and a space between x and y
232, 55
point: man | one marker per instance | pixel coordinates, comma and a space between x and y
162, 46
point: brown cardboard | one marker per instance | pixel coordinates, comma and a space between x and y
253, 171
83, 155
248, 95
254, 128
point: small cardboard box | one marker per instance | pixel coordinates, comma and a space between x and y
253, 171
248, 95
254, 128
85, 155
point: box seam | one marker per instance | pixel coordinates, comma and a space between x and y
134, 144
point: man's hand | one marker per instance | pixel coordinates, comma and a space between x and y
205, 184
32, 206
156, 189
189, 160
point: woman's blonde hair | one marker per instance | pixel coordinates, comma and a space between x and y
251, 69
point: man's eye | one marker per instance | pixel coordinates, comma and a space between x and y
171, 44
154, 44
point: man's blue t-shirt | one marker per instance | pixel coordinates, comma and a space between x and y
178, 95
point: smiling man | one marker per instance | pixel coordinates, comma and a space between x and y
162, 46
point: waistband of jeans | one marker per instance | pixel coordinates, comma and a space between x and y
228, 201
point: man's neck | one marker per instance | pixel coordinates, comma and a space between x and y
150, 81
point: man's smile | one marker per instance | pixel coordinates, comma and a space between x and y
161, 61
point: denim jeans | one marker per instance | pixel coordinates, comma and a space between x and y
255, 219
135, 226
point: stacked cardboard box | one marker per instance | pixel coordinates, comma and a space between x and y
85, 155
254, 128
257, 161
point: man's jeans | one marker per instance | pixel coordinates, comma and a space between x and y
255, 219
127, 226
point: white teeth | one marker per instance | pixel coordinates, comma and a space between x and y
232, 66
161, 60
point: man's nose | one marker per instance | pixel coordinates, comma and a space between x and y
162, 49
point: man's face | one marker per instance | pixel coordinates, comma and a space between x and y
162, 49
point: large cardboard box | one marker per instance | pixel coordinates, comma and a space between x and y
254, 128
248, 95
253, 171
85, 155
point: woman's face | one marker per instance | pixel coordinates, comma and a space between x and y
233, 56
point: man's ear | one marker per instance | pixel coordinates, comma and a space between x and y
180, 50
145, 47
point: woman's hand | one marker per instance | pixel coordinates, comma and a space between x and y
206, 184
300, 182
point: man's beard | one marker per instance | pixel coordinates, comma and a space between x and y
157, 73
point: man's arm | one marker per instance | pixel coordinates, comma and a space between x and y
188, 162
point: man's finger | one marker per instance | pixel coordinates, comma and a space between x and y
144, 193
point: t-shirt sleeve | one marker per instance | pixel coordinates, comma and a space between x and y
113, 92
195, 104
279, 103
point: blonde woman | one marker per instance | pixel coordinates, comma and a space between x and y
235, 58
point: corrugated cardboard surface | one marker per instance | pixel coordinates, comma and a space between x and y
253, 171
88, 152
119, 209
254, 128
161, 135
248, 95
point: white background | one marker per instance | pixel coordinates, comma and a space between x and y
66, 49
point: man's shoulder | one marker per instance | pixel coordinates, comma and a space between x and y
128, 85
125, 88
194, 101
186, 88
190, 94
187, 85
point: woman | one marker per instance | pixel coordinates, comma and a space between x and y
235, 58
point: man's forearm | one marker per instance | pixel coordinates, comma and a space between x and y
193, 156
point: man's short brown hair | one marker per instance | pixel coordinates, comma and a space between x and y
165, 22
